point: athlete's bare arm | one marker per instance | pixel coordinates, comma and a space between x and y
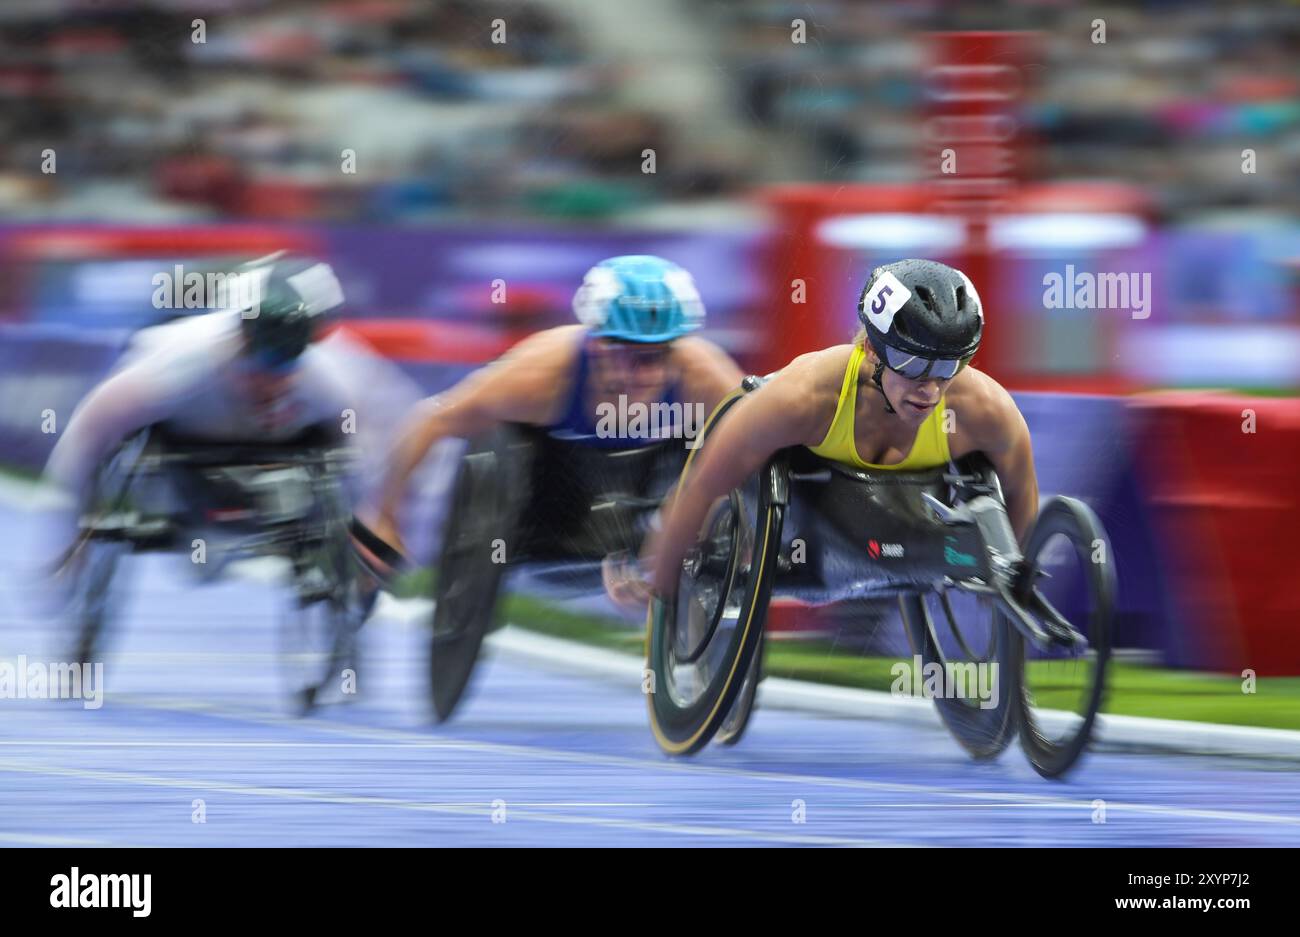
523, 386
990, 422
794, 408
707, 372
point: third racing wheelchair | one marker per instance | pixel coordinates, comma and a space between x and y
1039, 621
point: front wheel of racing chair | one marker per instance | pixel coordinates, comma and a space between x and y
953, 628
704, 649
317, 649
486, 503
1068, 584
88, 572
733, 727
284, 499
318, 635
90, 598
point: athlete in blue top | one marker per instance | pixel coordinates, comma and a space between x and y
605, 382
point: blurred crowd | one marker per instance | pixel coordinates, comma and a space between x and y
1168, 100
549, 112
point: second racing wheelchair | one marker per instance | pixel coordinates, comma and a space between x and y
222, 502
939, 542
527, 503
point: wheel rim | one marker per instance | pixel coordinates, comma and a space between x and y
964, 628
467, 573
90, 575
974, 625
742, 709
1062, 685
314, 646
706, 589
699, 644
91, 597
485, 506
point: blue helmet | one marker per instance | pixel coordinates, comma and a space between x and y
638, 298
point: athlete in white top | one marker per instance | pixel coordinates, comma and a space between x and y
225, 377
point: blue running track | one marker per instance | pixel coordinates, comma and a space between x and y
193, 713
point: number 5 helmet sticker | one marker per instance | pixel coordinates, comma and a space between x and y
885, 299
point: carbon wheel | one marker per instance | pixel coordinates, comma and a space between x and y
733, 727
479, 534
701, 647
968, 641
1070, 570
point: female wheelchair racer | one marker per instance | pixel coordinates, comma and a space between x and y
937, 518
545, 482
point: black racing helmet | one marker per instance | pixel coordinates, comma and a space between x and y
292, 294
923, 318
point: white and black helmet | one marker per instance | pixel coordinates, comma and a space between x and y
923, 318
293, 295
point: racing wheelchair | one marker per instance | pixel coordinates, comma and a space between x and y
550, 509
159, 492
937, 541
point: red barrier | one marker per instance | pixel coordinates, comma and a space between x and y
1224, 496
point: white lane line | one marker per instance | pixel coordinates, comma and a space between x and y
665, 764
1113, 732
164, 657
479, 810
40, 839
